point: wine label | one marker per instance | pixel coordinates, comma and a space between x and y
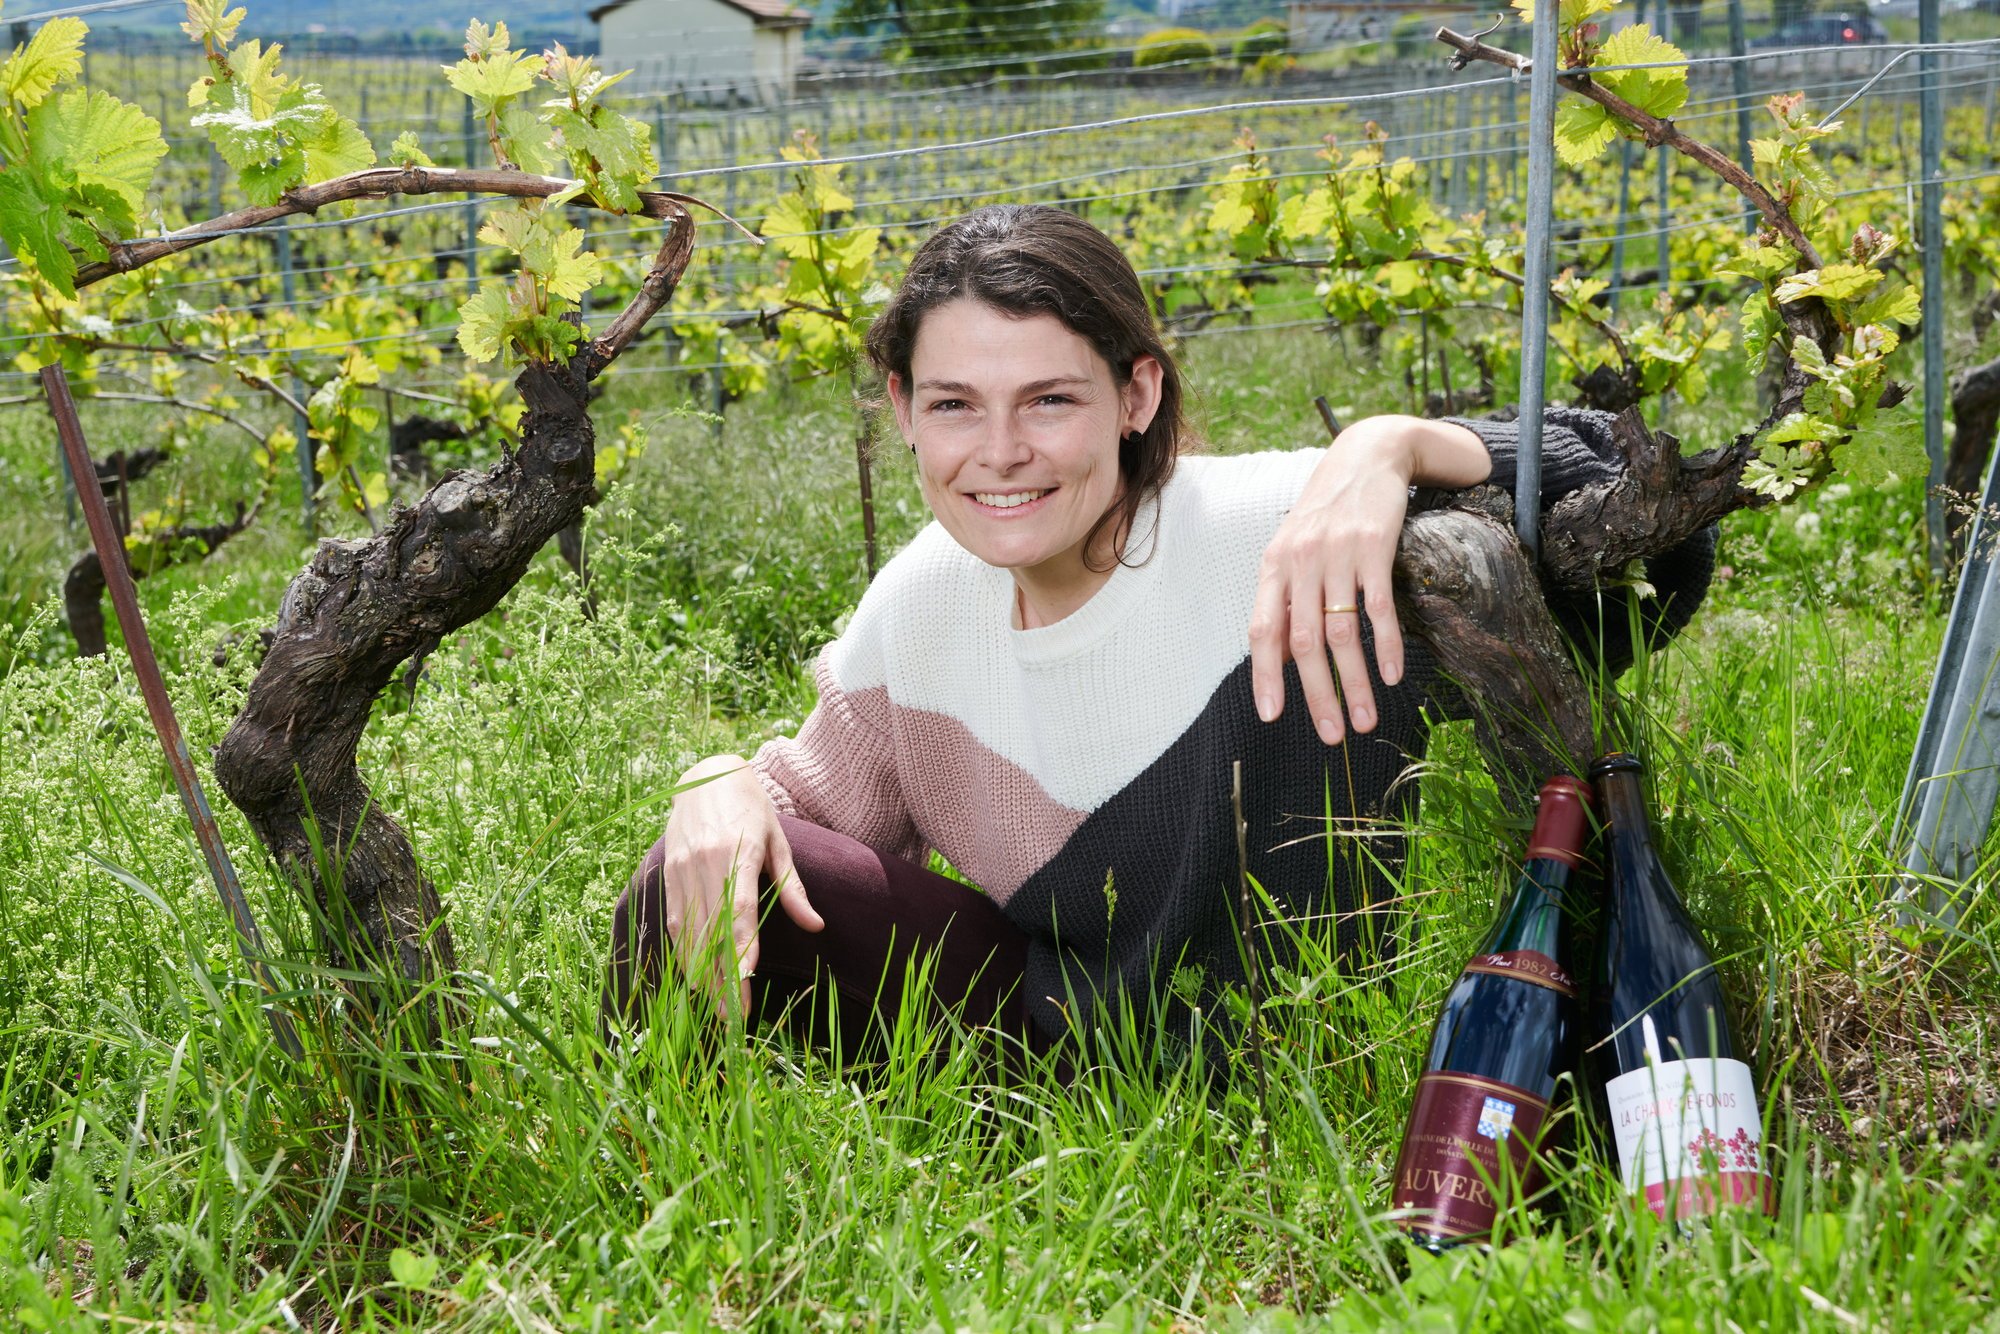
1451, 1152
1689, 1136
1526, 966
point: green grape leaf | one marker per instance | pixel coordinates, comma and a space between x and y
108, 144
408, 151
490, 82
611, 151
34, 225
548, 337
375, 490
1306, 215
1577, 291
1760, 262
1660, 92
1835, 282
482, 320
790, 225
1403, 278
576, 79
263, 146
335, 147
507, 228
211, 23
1807, 356
851, 257
1569, 13
559, 261
265, 183
829, 196
255, 69
94, 208
1762, 325
525, 136
1892, 445
1230, 214
1583, 130
52, 57
1778, 474
1895, 305
482, 42
1800, 426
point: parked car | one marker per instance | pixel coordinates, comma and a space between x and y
1844, 29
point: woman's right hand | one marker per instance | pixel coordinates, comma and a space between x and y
722, 839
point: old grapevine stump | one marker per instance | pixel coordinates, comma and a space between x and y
360, 610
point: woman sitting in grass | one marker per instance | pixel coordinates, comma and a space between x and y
1048, 686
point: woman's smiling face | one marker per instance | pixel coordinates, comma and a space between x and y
1017, 423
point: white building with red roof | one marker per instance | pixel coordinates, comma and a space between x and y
708, 50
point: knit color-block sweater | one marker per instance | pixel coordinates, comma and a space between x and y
1080, 772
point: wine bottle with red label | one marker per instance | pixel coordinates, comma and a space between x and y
1506, 1034
1681, 1103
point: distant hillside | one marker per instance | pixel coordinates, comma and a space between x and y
374, 18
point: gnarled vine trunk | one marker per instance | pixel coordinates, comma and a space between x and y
1975, 415
363, 608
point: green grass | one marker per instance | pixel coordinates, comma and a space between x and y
164, 1166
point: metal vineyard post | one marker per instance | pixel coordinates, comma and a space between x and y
287, 286
1739, 82
1931, 152
1664, 168
1535, 276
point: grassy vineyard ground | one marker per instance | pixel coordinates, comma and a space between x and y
164, 1164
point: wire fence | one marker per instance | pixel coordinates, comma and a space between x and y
917, 156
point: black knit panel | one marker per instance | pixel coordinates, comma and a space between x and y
1165, 841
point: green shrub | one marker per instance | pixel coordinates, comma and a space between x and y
1265, 37
1170, 46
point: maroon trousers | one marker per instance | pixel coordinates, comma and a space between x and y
887, 921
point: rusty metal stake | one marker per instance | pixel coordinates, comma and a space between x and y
125, 598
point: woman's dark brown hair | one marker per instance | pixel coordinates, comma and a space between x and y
1027, 260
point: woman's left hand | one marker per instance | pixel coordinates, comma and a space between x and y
1333, 559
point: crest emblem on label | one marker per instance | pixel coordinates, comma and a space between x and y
1496, 1119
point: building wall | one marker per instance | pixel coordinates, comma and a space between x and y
712, 52
777, 64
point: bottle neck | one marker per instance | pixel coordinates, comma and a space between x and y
1532, 916
1625, 808
1638, 879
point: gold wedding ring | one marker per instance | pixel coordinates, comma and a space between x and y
1339, 608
